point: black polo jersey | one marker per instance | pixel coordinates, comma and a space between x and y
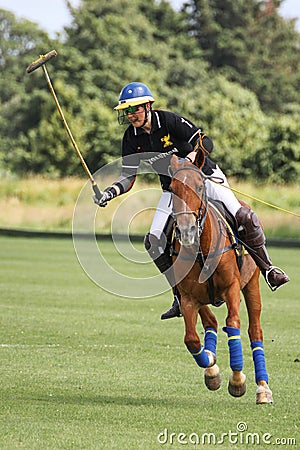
170, 134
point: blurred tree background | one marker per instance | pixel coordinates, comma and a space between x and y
232, 67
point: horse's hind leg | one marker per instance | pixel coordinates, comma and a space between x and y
212, 377
253, 303
237, 381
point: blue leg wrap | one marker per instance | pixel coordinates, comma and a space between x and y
201, 357
210, 339
258, 355
235, 348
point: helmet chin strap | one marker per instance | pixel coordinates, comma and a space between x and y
146, 115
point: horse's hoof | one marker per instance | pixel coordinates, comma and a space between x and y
237, 388
263, 395
212, 378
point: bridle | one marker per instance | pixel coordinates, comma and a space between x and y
201, 214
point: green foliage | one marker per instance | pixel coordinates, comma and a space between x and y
234, 119
249, 42
219, 64
279, 159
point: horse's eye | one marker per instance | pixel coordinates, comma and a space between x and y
199, 189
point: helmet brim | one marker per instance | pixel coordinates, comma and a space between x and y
123, 104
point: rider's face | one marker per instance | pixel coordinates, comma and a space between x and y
138, 117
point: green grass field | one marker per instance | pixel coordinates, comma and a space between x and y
83, 369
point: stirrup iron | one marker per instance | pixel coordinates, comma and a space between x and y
278, 269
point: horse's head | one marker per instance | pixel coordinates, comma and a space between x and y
188, 193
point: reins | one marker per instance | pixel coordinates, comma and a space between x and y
213, 179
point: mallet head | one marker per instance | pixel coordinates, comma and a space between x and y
42, 60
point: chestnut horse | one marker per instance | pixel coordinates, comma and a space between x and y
206, 271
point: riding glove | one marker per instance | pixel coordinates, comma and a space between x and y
108, 194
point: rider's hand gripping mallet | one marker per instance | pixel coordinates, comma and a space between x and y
41, 62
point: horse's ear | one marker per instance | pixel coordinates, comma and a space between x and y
200, 158
174, 163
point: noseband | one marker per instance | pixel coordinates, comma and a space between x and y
201, 214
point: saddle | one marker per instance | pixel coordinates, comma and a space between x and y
232, 226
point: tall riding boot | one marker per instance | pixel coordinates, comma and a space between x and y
175, 310
252, 235
163, 262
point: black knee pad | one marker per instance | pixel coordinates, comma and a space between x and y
249, 227
161, 256
154, 246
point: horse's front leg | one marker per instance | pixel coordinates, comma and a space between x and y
212, 377
237, 381
252, 297
189, 307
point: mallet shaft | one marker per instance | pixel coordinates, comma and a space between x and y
87, 171
41, 61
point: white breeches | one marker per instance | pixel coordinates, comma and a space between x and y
219, 192
162, 213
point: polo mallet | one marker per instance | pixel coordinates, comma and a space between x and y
41, 62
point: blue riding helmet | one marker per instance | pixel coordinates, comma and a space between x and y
134, 94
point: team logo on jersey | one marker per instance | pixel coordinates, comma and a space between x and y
167, 141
